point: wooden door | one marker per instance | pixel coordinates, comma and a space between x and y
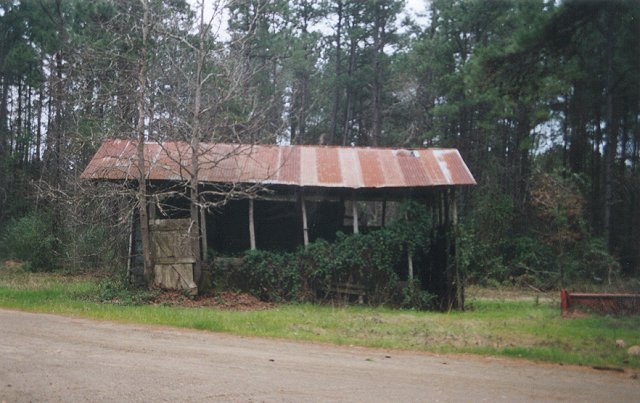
174, 258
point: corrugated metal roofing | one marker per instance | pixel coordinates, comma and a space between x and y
309, 166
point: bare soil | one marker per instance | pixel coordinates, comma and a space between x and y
53, 358
235, 301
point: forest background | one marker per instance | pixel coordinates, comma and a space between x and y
542, 98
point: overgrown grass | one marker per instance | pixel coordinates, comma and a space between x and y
520, 328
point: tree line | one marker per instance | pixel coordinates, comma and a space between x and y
542, 99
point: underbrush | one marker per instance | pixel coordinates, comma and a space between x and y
30, 240
318, 273
118, 290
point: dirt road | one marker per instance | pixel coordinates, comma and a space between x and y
53, 358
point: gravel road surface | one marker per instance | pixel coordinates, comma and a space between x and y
54, 358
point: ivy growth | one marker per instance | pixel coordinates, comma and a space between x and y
370, 260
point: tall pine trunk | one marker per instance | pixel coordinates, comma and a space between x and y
195, 229
376, 85
611, 146
145, 235
349, 101
4, 93
337, 86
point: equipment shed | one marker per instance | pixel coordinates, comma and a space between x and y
281, 197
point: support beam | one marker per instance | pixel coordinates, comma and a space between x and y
410, 265
354, 204
409, 254
252, 230
203, 232
132, 230
442, 202
384, 213
454, 208
456, 262
446, 196
305, 226
152, 210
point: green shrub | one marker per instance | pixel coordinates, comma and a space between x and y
594, 262
31, 240
117, 290
546, 242
368, 259
269, 276
414, 297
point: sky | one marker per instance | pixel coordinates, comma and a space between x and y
417, 9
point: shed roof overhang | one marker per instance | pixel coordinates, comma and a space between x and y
317, 168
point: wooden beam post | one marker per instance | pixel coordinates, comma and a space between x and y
252, 230
456, 262
305, 226
384, 213
454, 208
152, 209
203, 232
132, 230
442, 201
409, 254
354, 202
410, 265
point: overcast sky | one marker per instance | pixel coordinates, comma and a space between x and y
415, 8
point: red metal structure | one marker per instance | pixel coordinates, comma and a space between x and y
304, 166
599, 303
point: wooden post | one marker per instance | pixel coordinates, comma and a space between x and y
384, 213
442, 197
305, 227
252, 230
152, 210
454, 232
354, 203
438, 208
409, 255
132, 229
448, 264
446, 196
410, 264
203, 232
454, 208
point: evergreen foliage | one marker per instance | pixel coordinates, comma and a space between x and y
30, 239
541, 98
370, 260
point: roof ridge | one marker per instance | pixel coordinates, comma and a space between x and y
349, 167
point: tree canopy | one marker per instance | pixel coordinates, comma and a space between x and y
542, 99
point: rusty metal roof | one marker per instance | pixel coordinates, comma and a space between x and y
308, 166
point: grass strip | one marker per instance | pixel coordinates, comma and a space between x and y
521, 329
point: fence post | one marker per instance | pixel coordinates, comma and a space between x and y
564, 302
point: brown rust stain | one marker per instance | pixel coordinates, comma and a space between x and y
458, 171
371, 169
289, 170
328, 166
432, 167
412, 170
265, 163
340, 167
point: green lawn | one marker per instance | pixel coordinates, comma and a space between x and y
514, 328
